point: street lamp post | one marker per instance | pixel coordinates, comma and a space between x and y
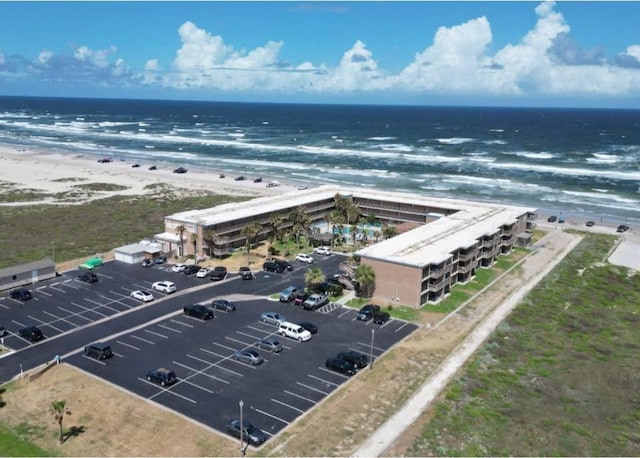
241, 403
53, 251
373, 333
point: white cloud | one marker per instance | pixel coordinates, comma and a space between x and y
633, 51
99, 58
44, 56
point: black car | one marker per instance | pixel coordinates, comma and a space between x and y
380, 317
147, 262
153, 167
164, 377
312, 328
622, 228
198, 311
286, 265
98, 350
341, 365
160, 260
250, 433
218, 273
223, 304
552, 219
257, 180
22, 294
591, 223
239, 178
135, 166
191, 269
245, 273
355, 357
88, 277
271, 266
366, 312
180, 170
31, 333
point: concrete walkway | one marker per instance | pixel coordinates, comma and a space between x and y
551, 250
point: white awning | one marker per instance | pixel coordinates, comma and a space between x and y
168, 237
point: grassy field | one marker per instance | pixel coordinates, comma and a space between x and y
560, 377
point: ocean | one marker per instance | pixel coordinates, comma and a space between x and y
579, 162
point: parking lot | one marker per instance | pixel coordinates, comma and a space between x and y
210, 382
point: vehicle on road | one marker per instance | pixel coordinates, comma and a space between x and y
147, 262
341, 365
245, 273
198, 311
286, 265
191, 269
31, 333
204, 272
142, 295
315, 301
366, 312
271, 344
88, 277
162, 376
21, 294
294, 331
178, 267
304, 258
98, 350
164, 287
288, 293
622, 228
552, 219
272, 318
218, 273
239, 178
380, 317
248, 356
271, 266
223, 304
309, 326
357, 358
250, 433
180, 170
323, 250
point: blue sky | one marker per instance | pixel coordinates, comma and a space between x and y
458, 53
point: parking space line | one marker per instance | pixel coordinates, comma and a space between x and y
202, 372
18, 323
197, 386
300, 396
248, 335
321, 380
60, 290
312, 388
79, 315
42, 323
118, 354
4, 306
140, 338
101, 305
239, 341
405, 323
213, 353
223, 346
368, 345
107, 276
287, 405
345, 313
169, 329
262, 330
183, 324
94, 360
271, 416
57, 318
217, 364
156, 334
41, 291
127, 345
165, 390
88, 309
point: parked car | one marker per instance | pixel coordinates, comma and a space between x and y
302, 187
271, 344
218, 273
315, 301
135, 166
147, 262
323, 250
178, 267
164, 287
245, 273
271, 266
357, 358
223, 304
552, 219
312, 328
88, 277
31, 333
304, 258
250, 433
153, 167
366, 312
248, 356
164, 377
191, 269
294, 331
341, 365
198, 311
288, 294
3, 330
160, 260
142, 295
257, 180
98, 350
272, 318
622, 228
180, 170
239, 178
286, 265
561, 219
204, 272
273, 184
300, 297
105, 160
21, 294
591, 223
380, 317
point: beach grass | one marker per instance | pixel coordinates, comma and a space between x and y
559, 377
16, 442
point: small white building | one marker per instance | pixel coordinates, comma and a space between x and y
136, 252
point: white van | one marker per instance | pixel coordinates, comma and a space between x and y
294, 331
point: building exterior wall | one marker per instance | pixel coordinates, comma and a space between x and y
395, 283
25, 274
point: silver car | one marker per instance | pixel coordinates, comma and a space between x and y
271, 344
272, 318
248, 356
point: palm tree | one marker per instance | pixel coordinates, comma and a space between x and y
336, 219
180, 230
276, 220
300, 223
366, 278
353, 231
250, 231
59, 410
389, 231
314, 276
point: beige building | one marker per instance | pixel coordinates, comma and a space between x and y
453, 238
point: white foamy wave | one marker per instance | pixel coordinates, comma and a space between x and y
496, 130
381, 139
454, 140
569, 171
597, 195
236, 134
494, 142
429, 158
600, 158
149, 146
373, 173
396, 147
532, 154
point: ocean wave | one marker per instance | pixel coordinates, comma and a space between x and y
381, 139
454, 140
494, 142
603, 158
532, 154
568, 171
496, 130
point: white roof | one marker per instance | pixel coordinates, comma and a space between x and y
168, 237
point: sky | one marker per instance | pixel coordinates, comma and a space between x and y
500, 53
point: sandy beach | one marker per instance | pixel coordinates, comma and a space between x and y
44, 172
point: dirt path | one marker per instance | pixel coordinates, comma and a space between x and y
384, 441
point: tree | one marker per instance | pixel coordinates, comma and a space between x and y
336, 219
180, 230
250, 231
389, 231
59, 410
314, 276
276, 220
366, 278
300, 223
